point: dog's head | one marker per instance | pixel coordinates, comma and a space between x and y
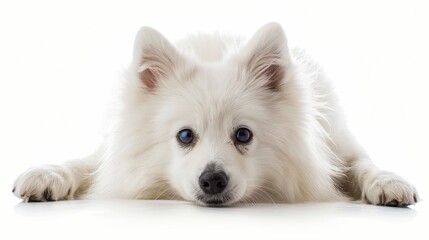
219, 124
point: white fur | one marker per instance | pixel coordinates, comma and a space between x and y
301, 149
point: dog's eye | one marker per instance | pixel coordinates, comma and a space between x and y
243, 135
185, 136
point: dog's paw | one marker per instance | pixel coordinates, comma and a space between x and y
46, 183
388, 189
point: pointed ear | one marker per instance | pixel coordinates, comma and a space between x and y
266, 56
154, 57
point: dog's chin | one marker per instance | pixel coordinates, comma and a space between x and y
219, 200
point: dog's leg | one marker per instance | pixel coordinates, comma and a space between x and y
70, 180
365, 181
362, 179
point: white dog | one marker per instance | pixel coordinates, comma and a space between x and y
218, 121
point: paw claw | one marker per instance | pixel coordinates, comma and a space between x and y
47, 194
382, 198
34, 198
393, 203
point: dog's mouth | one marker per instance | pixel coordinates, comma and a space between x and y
218, 200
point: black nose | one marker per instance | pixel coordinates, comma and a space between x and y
213, 182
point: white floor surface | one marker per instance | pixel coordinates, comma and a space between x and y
139, 219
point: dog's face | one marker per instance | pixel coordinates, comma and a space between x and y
215, 128
218, 121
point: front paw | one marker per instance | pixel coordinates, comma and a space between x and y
46, 183
388, 189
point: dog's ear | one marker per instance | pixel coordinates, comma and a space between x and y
154, 57
266, 56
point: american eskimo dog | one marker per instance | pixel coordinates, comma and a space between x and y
217, 121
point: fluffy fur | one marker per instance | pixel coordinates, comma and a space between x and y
301, 149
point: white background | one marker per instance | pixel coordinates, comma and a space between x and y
59, 61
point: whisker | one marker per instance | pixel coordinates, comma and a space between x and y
166, 190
